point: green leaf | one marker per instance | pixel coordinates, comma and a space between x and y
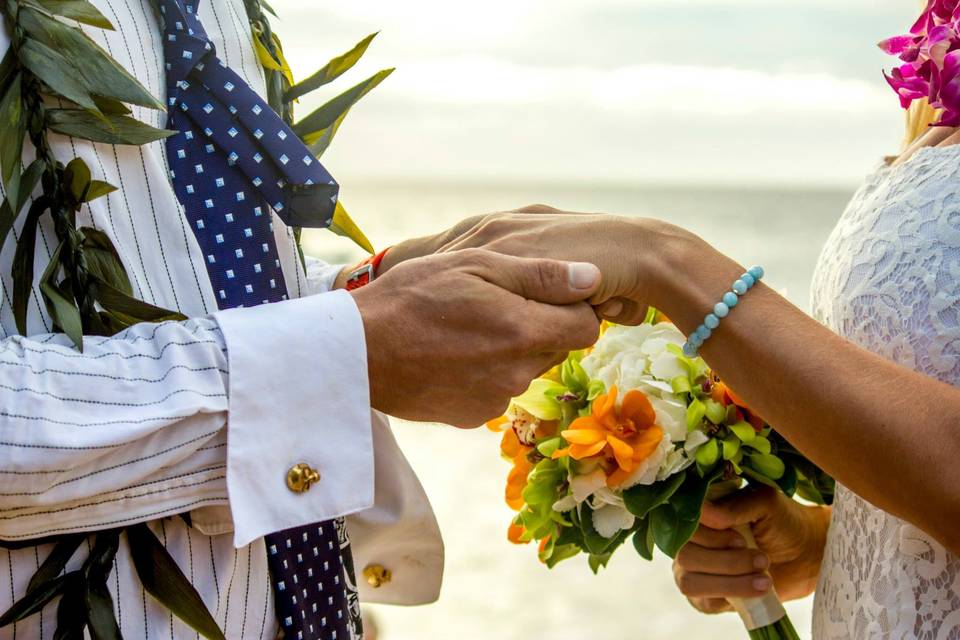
79, 10
681, 384
731, 447
56, 561
758, 477
71, 611
34, 600
759, 443
163, 579
688, 500
716, 412
23, 263
695, 413
59, 303
597, 562
643, 539
642, 499
670, 531
788, 482
318, 129
56, 72
769, 465
115, 300
77, 176
331, 71
12, 132
547, 447
99, 73
111, 106
8, 214
110, 129
103, 261
744, 431
101, 620
98, 189
8, 67
708, 454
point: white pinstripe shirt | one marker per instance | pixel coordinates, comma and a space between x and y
203, 416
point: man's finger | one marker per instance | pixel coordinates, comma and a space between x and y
623, 311
541, 280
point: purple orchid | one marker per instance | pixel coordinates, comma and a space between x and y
931, 57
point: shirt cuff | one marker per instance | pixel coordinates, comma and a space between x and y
321, 277
298, 393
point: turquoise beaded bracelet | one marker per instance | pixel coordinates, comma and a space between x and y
721, 310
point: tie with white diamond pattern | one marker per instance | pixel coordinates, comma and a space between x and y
231, 162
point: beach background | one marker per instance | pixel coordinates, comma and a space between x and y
749, 122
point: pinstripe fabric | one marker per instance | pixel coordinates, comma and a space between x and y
135, 427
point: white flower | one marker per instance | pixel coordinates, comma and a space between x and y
610, 519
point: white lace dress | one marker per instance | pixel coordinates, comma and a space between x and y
889, 280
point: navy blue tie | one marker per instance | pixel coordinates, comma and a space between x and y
231, 162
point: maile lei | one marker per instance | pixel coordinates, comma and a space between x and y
54, 78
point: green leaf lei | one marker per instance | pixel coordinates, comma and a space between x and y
85, 287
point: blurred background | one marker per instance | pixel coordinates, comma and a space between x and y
750, 122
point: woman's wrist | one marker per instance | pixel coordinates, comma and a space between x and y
686, 276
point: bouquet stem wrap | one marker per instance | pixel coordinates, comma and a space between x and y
764, 611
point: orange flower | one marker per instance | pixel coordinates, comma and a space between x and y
511, 447
629, 436
515, 532
723, 394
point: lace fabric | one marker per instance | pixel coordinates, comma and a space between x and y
889, 280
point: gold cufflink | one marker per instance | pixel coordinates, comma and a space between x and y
376, 575
300, 477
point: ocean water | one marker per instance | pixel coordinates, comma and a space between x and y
492, 589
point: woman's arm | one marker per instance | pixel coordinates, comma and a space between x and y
890, 434
885, 431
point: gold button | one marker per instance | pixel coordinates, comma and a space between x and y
301, 477
376, 575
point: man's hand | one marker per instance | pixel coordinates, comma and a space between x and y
452, 338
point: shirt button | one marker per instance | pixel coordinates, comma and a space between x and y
300, 477
376, 575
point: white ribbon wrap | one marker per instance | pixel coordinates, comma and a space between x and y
757, 613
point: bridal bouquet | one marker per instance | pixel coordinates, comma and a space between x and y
627, 441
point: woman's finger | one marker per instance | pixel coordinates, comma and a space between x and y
705, 585
721, 562
710, 605
718, 539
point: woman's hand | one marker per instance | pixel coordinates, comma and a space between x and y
716, 564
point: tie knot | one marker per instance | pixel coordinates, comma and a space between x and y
185, 43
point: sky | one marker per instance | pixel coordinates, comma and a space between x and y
739, 92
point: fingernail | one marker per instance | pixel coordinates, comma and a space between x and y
761, 561
583, 275
738, 543
613, 309
761, 584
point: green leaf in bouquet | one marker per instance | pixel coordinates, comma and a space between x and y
537, 493
573, 376
759, 443
540, 399
731, 447
788, 482
8, 69
643, 539
688, 500
651, 316
642, 499
71, 610
716, 413
561, 553
56, 72
595, 389
681, 384
79, 10
107, 128
755, 476
548, 446
708, 455
695, 414
115, 300
598, 561
744, 431
319, 127
769, 465
163, 579
98, 189
593, 541
110, 106
670, 531
99, 73
8, 214
331, 71
77, 176
56, 561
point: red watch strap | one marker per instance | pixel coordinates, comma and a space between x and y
366, 271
